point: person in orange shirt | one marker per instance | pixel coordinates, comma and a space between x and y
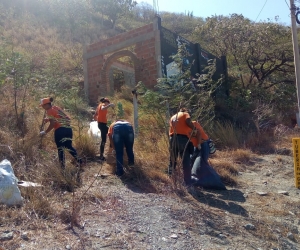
101, 117
121, 135
63, 133
181, 127
200, 142
203, 174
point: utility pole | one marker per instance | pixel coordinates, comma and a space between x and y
296, 55
155, 7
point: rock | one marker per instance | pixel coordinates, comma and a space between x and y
283, 192
269, 173
291, 213
249, 227
290, 236
295, 230
24, 236
174, 236
221, 236
68, 247
262, 193
277, 230
7, 235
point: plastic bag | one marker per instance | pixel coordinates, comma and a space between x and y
94, 131
9, 191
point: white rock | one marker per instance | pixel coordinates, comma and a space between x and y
283, 192
262, 193
174, 236
24, 236
6, 235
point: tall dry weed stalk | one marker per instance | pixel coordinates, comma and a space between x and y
226, 135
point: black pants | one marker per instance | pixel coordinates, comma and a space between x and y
104, 130
63, 139
181, 146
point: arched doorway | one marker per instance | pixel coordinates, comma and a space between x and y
122, 67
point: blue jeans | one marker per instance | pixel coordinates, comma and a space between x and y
63, 139
123, 136
199, 157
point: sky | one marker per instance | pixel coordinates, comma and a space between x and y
255, 10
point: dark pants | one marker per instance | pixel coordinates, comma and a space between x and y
180, 145
63, 139
123, 136
199, 157
103, 129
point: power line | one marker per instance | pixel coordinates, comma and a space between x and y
261, 10
287, 4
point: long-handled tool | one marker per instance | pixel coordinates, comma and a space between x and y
42, 128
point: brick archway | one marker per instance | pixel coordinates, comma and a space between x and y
100, 57
111, 59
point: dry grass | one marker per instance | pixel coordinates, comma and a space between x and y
262, 143
86, 147
241, 155
39, 202
226, 136
227, 170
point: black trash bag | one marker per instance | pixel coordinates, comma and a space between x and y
206, 176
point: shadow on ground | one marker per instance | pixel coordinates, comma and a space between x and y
222, 199
137, 181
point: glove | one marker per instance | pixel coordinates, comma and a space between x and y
199, 146
42, 133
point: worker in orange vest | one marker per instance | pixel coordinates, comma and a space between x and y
101, 117
181, 127
200, 142
63, 133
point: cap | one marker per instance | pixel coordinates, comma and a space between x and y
45, 101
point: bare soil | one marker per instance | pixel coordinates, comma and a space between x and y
117, 214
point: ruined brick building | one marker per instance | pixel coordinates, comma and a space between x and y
142, 54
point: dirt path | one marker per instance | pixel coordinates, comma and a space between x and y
115, 214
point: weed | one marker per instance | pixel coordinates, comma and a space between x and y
226, 135
241, 155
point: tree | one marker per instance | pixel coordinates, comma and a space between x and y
144, 12
114, 9
178, 91
258, 53
181, 24
259, 57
